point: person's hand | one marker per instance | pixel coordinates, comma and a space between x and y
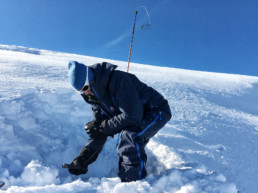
94, 129
78, 166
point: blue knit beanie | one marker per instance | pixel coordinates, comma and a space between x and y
79, 75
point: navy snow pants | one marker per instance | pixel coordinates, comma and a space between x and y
132, 156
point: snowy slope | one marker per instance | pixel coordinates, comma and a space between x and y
210, 144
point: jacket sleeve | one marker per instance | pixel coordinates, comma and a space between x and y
92, 149
130, 106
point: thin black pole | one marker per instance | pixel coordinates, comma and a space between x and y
131, 41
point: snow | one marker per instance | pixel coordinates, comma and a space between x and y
210, 144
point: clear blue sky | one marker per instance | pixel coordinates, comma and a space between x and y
208, 35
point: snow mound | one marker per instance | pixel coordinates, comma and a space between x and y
36, 174
20, 49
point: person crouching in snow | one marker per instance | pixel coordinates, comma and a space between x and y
121, 103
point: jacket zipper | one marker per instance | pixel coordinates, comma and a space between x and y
108, 113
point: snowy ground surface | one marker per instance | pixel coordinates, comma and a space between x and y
210, 144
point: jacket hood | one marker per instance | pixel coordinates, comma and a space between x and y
102, 73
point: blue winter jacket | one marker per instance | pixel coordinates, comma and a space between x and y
123, 99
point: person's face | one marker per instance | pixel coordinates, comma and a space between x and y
86, 91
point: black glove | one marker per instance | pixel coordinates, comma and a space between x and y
77, 167
80, 164
94, 130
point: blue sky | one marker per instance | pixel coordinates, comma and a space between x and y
207, 35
